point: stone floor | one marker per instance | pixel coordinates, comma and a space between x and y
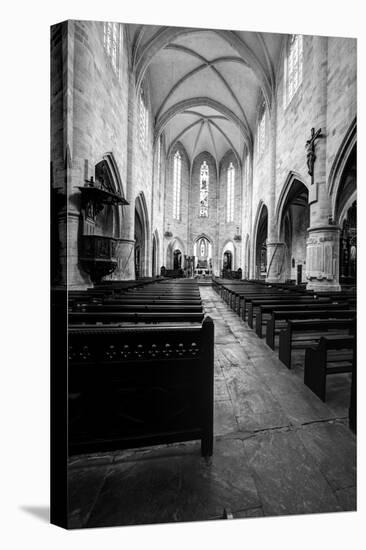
278, 449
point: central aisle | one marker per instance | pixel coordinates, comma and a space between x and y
278, 449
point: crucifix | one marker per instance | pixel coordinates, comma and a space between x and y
310, 151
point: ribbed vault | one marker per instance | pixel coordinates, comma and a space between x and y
206, 84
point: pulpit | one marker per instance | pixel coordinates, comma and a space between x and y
98, 256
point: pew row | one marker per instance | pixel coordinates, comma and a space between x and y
140, 386
332, 355
301, 334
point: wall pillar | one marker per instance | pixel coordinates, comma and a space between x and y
322, 245
322, 258
275, 262
275, 249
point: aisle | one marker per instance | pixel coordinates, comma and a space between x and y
278, 449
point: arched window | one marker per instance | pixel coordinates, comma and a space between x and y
261, 131
158, 162
293, 67
204, 190
177, 178
112, 41
230, 193
143, 121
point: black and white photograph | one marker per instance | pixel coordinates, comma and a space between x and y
183, 243
204, 228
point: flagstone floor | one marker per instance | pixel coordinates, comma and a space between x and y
278, 449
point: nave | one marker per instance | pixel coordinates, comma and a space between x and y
278, 449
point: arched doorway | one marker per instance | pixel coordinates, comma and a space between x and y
247, 258
155, 254
261, 244
177, 259
141, 237
228, 260
202, 251
348, 247
294, 220
175, 254
346, 216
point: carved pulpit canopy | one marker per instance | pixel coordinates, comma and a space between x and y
103, 191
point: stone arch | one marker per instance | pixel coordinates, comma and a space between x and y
166, 35
260, 233
210, 247
292, 221
247, 257
228, 247
155, 255
142, 236
346, 150
283, 198
199, 101
109, 221
175, 244
343, 192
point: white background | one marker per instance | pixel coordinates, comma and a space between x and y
24, 287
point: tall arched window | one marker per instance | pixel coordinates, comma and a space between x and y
204, 190
143, 121
158, 162
261, 131
230, 193
177, 179
293, 67
112, 41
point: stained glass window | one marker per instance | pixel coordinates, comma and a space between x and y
230, 193
112, 40
204, 190
293, 67
177, 176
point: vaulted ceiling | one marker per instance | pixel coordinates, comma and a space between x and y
206, 85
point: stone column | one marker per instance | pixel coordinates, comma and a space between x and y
126, 245
275, 262
322, 258
275, 248
322, 247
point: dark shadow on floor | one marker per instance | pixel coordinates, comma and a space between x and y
40, 512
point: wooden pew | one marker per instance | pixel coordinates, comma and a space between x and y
332, 355
137, 386
281, 315
252, 305
284, 312
302, 334
103, 317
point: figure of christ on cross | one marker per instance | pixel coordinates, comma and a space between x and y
310, 151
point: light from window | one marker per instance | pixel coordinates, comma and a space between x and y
204, 190
143, 121
293, 68
261, 134
177, 176
112, 40
230, 193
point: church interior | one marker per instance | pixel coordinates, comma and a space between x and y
203, 202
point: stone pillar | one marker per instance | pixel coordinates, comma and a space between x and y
275, 262
125, 248
322, 247
322, 258
275, 249
125, 253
